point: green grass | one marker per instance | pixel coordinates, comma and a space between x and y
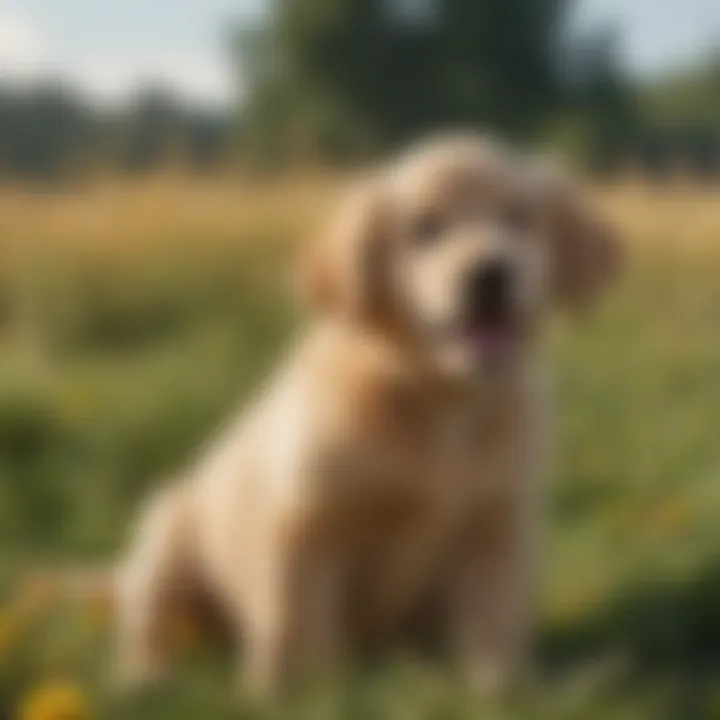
111, 377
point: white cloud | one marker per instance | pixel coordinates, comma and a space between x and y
23, 52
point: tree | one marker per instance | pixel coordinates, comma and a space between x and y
49, 134
346, 77
598, 97
45, 132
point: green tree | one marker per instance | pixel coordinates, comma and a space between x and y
346, 77
599, 101
45, 132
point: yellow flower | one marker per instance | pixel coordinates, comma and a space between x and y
56, 701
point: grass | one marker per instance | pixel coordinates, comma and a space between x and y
134, 319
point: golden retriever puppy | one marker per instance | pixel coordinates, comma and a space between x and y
389, 470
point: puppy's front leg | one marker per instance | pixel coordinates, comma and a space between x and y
490, 599
148, 585
293, 618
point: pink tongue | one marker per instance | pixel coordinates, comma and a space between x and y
491, 342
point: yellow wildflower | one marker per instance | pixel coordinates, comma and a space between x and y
56, 701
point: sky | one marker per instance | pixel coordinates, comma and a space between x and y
107, 48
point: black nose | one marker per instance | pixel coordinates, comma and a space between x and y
489, 289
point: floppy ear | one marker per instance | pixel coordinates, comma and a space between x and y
585, 248
345, 271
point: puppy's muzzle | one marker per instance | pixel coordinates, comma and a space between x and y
488, 294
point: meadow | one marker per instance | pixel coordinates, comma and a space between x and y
135, 317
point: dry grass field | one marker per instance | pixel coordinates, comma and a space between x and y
135, 317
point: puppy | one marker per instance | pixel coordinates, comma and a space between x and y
389, 470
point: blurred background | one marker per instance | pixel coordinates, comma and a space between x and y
161, 162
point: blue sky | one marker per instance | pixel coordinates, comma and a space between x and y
107, 47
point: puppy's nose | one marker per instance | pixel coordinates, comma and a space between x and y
489, 289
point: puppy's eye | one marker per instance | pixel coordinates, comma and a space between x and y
519, 218
427, 227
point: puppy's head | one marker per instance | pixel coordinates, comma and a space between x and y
457, 250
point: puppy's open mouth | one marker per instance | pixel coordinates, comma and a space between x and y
491, 339
488, 342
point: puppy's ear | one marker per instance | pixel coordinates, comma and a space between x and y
345, 271
585, 248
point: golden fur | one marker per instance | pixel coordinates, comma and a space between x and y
386, 481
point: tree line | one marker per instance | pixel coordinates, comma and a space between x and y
336, 81
48, 132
